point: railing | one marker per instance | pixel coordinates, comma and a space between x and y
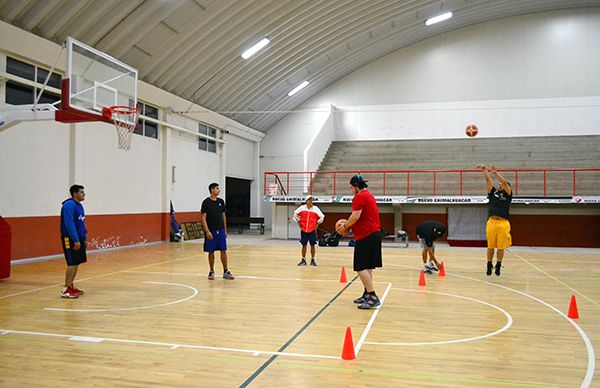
549, 182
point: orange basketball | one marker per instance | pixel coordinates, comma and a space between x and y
339, 223
471, 130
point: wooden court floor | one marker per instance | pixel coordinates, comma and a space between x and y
150, 317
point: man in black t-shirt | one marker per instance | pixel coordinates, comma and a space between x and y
214, 223
497, 228
427, 233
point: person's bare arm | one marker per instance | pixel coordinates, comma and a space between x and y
501, 179
225, 222
207, 232
488, 179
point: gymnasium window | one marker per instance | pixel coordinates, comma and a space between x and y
18, 93
206, 144
146, 127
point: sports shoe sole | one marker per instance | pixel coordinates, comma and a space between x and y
367, 306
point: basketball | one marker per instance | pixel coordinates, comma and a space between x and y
471, 130
339, 223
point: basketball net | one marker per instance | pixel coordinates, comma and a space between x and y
125, 119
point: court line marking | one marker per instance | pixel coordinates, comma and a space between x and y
98, 276
588, 344
557, 280
249, 277
365, 332
194, 293
509, 322
164, 344
293, 338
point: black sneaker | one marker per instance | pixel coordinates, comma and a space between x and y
313, 262
370, 303
497, 268
211, 275
302, 262
490, 266
361, 300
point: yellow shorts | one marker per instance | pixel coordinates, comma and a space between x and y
497, 231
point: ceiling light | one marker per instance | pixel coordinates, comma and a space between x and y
254, 49
298, 88
439, 18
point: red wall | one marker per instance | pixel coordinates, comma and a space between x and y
40, 236
555, 230
532, 230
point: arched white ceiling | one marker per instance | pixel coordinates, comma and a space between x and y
192, 47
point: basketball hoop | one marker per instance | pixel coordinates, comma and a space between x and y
125, 119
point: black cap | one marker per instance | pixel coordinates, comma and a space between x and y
358, 181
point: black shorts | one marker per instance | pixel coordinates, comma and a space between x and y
311, 237
73, 257
367, 252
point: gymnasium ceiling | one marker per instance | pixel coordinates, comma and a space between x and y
192, 47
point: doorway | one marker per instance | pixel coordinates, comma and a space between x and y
237, 197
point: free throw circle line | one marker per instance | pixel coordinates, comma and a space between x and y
194, 293
508, 324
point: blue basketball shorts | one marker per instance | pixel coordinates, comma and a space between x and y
218, 242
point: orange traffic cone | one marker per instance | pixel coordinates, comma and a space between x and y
348, 350
343, 276
442, 270
422, 279
573, 313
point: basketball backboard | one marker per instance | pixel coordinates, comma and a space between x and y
93, 83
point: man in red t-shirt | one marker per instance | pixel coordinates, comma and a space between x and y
364, 221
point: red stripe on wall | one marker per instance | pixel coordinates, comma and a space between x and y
539, 230
40, 236
556, 230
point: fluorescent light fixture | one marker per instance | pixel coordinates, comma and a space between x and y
439, 18
298, 88
254, 49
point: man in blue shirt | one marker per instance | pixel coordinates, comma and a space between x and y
73, 237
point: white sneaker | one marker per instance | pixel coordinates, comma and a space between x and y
431, 267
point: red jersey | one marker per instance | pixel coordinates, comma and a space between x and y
368, 222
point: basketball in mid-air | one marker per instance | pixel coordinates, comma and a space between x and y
339, 223
471, 130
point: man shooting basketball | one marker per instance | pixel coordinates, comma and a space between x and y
73, 237
497, 229
364, 220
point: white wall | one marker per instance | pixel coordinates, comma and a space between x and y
529, 75
239, 152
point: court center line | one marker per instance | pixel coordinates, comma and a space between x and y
360, 342
80, 338
194, 293
557, 280
293, 338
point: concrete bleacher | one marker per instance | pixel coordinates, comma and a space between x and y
464, 154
